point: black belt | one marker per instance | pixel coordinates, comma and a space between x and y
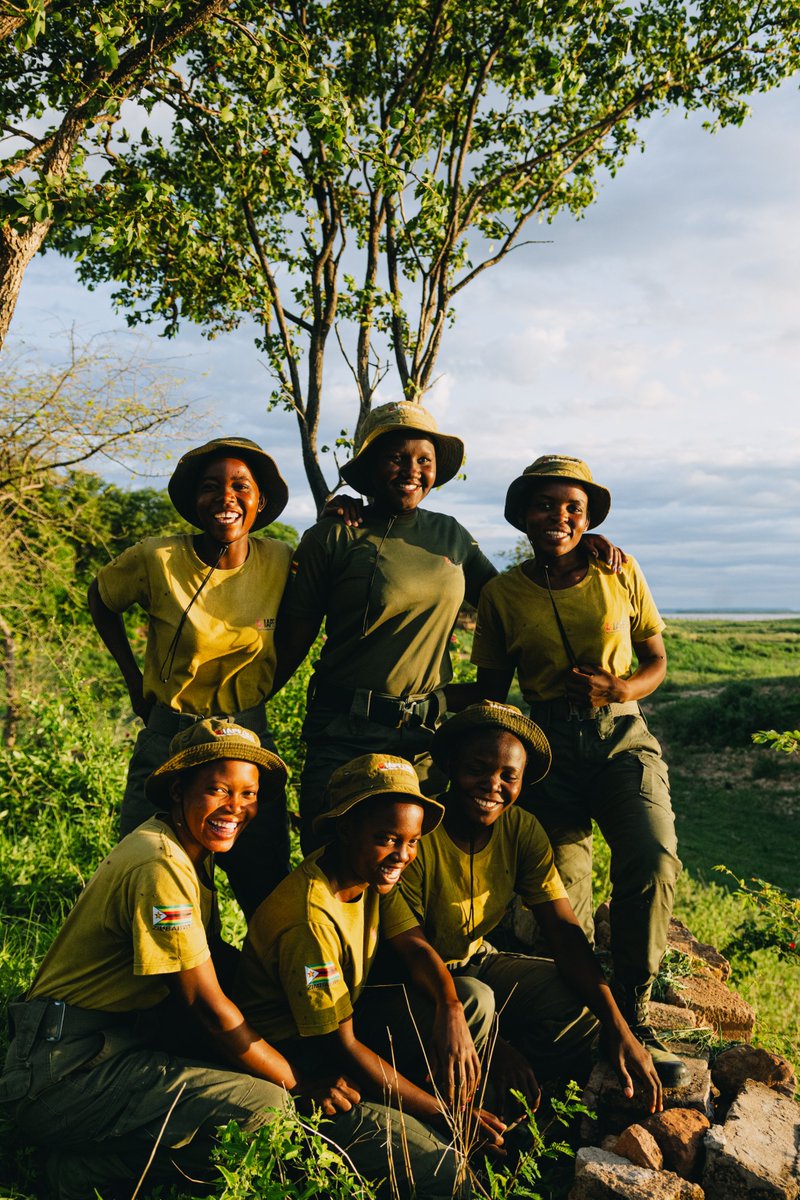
564, 709
58, 1019
168, 722
394, 711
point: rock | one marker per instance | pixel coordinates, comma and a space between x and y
754, 1155
602, 926
681, 938
603, 1176
615, 1111
679, 1134
609, 1143
640, 1147
739, 1063
670, 1016
716, 1005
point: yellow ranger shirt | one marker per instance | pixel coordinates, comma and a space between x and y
390, 591
459, 903
307, 954
603, 616
225, 658
143, 913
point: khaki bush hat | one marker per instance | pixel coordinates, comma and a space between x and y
205, 741
405, 417
491, 715
556, 466
376, 775
182, 487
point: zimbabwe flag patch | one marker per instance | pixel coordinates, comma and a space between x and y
321, 973
172, 916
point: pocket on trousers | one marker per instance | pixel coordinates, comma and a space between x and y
655, 779
15, 1083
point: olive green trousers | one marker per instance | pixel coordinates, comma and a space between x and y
609, 768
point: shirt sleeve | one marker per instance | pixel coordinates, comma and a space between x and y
489, 648
167, 928
308, 586
478, 570
126, 580
537, 878
396, 916
411, 888
646, 620
312, 978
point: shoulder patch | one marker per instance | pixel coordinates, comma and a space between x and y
172, 916
317, 975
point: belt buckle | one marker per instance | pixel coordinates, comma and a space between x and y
405, 710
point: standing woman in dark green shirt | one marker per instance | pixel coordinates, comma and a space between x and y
389, 585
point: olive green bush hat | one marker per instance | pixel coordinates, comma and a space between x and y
206, 741
182, 487
556, 466
376, 775
491, 715
406, 417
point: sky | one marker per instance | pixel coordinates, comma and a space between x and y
658, 338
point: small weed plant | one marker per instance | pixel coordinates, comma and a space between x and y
772, 923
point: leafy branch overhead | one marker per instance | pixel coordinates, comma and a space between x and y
349, 169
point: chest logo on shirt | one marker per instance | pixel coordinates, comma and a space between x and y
614, 626
264, 624
322, 973
172, 916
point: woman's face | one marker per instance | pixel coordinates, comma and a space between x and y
486, 776
403, 472
557, 517
228, 500
380, 840
212, 805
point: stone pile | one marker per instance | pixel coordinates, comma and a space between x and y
731, 1133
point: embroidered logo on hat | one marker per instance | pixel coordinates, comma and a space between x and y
398, 765
243, 735
172, 916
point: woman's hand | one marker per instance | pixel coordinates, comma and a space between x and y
604, 551
454, 1060
629, 1057
333, 1096
593, 687
141, 707
349, 508
486, 1134
510, 1069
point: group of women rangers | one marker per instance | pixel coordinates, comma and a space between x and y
141, 1035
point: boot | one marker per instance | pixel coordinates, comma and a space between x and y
633, 1001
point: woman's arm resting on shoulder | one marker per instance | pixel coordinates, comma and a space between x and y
454, 1059
577, 964
595, 687
348, 508
605, 551
111, 628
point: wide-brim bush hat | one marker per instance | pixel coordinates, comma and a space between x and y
206, 741
562, 467
406, 417
182, 487
372, 775
491, 715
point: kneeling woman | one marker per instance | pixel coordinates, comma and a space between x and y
306, 958
485, 852
83, 1070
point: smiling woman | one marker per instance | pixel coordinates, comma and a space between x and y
212, 601
92, 1071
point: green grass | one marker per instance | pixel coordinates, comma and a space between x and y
735, 803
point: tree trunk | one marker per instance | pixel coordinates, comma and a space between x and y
8, 666
16, 251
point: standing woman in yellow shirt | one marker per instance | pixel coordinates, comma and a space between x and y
211, 601
570, 627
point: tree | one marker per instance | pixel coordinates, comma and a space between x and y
338, 167
54, 517
66, 66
